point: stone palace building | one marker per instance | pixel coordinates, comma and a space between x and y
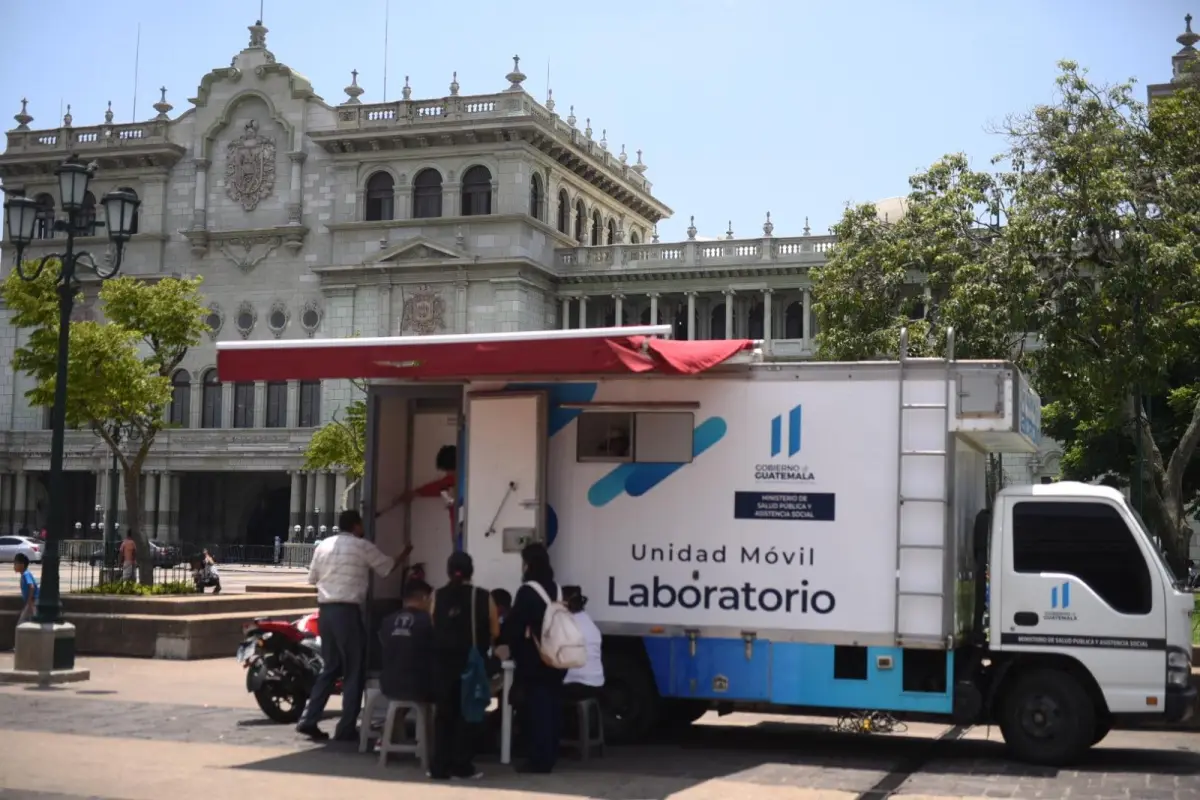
456, 214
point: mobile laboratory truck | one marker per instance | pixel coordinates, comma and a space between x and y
754, 531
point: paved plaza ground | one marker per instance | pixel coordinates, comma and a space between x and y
148, 730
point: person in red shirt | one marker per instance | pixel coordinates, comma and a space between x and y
446, 487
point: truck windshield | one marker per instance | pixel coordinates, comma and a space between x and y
1155, 547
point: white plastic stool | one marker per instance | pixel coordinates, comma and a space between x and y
397, 710
373, 717
585, 711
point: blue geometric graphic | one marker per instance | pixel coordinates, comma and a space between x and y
1066, 596
557, 394
793, 433
637, 479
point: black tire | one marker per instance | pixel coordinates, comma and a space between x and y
278, 706
676, 713
1047, 718
631, 703
1103, 727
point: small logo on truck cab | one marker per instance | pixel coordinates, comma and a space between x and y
1060, 601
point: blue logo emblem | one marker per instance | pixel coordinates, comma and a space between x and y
793, 433
1066, 596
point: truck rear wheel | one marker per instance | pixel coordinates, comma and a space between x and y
631, 702
1047, 718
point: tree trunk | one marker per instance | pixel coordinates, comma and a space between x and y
133, 515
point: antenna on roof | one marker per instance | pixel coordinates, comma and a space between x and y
260, 12
387, 7
137, 54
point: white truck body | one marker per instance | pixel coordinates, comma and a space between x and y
795, 534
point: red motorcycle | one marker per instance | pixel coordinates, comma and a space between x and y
282, 660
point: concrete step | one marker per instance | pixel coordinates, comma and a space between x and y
281, 588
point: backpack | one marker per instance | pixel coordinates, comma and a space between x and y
475, 687
561, 644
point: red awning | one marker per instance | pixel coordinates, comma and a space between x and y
609, 351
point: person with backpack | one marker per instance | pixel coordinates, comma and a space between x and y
544, 642
465, 623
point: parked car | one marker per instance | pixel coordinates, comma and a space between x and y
11, 545
164, 556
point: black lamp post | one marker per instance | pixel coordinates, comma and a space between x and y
22, 216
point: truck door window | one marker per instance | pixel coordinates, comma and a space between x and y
656, 437
1088, 540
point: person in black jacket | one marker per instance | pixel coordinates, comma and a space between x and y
407, 669
537, 686
455, 605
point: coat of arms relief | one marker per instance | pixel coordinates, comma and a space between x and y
250, 167
424, 311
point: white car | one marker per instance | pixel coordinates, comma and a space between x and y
11, 545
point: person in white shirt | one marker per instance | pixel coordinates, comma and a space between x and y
588, 680
339, 570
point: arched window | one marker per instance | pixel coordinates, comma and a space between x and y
597, 229
635, 237
537, 197
243, 405
181, 399
477, 191
580, 221
612, 233
87, 215
564, 212
134, 227
427, 194
210, 401
381, 203
44, 217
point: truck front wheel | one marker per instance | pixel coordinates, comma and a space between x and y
631, 701
1047, 718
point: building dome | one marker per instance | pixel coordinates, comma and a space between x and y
892, 209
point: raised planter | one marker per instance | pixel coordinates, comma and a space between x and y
172, 627
283, 588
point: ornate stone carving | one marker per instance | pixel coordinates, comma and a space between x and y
247, 252
310, 317
424, 311
246, 318
250, 167
215, 320
278, 318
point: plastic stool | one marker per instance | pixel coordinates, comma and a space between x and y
585, 712
375, 705
397, 710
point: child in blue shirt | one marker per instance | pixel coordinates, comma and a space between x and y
29, 588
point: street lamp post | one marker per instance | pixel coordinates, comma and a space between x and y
21, 215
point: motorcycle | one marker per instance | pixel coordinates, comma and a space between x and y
282, 660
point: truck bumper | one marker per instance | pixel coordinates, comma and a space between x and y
1180, 703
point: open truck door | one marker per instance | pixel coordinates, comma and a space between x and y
505, 488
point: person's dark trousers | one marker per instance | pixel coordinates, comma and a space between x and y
542, 722
342, 651
453, 736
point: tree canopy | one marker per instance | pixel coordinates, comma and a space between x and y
118, 370
1087, 233
341, 444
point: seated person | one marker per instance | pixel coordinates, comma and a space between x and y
407, 647
588, 680
205, 573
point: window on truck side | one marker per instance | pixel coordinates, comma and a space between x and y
648, 437
1088, 540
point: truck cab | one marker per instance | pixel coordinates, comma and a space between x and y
1088, 627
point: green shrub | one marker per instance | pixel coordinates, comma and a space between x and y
131, 589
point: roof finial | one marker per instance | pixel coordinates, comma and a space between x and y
571, 118
622, 158
23, 119
67, 118
587, 131
639, 166
654, 237
108, 115
353, 91
729, 231
162, 106
691, 231
807, 230
550, 100
1187, 38
407, 93
454, 84
604, 138
258, 34
515, 77
768, 226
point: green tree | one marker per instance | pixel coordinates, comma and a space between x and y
341, 444
118, 372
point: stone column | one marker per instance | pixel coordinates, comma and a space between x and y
199, 208
583, 311
20, 500
196, 411
654, 308
691, 315
729, 299
176, 481
767, 316
295, 504
384, 325
293, 406
618, 309
310, 489
260, 404
149, 504
5, 503
339, 492
295, 194
122, 517
566, 313
226, 420
163, 527
807, 325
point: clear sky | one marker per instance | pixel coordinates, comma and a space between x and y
741, 107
